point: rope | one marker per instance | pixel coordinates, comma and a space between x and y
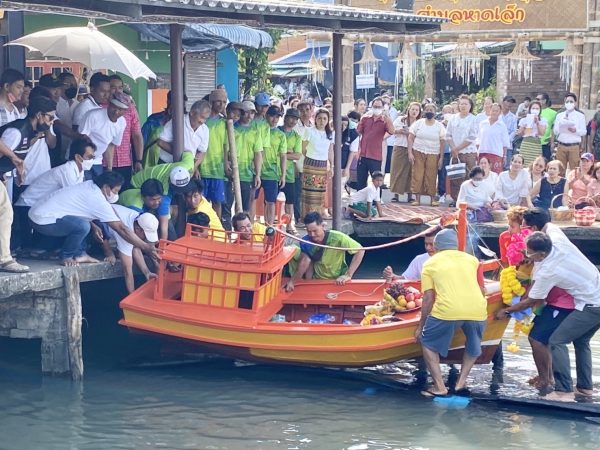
334, 295
373, 247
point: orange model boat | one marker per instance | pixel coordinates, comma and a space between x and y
229, 290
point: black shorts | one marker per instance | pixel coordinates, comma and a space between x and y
548, 321
290, 192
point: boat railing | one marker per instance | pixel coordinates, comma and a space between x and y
208, 246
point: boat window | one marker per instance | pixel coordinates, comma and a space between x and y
246, 299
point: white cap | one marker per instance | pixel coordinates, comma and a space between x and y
149, 224
179, 178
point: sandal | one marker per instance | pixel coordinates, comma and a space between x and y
429, 393
415, 203
434, 203
13, 266
395, 200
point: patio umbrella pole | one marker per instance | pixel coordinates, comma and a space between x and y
176, 31
337, 127
237, 191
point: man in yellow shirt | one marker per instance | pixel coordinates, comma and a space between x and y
246, 229
453, 298
195, 203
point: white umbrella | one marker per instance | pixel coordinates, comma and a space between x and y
88, 46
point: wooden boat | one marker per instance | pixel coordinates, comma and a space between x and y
229, 289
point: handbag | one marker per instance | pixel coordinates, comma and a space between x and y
457, 170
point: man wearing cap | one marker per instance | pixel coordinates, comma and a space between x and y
128, 155
54, 87
262, 102
453, 298
569, 128
105, 128
98, 98
249, 147
145, 227
294, 152
68, 213
273, 165
215, 165
195, 135
510, 120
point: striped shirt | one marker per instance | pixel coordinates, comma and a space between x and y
123, 153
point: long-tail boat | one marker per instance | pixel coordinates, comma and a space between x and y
228, 291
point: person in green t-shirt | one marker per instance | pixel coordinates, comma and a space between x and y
274, 165
294, 152
161, 171
249, 154
549, 115
215, 164
324, 263
262, 103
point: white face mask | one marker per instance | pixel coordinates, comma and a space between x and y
535, 111
352, 124
377, 111
569, 106
476, 183
112, 197
87, 164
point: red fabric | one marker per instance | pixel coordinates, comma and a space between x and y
122, 155
496, 162
372, 131
504, 242
560, 298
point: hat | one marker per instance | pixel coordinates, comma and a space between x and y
262, 99
179, 179
292, 112
274, 111
446, 239
149, 224
49, 81
235, 105
509, 98
248, 106
120, 100
217, 94
587, 157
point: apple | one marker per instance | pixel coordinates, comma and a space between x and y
410, 297
418, 295
411, 305
418, 302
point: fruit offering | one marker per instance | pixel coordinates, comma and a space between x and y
510, 285
403, 298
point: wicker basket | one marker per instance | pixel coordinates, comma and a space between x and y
558, 215
585, 217
499, 215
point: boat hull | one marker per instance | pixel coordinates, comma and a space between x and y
329, 345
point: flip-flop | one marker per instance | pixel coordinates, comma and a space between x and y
430, 394
13, 266
395, 200
464, 392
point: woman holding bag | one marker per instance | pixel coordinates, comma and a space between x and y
400, 172
426, 142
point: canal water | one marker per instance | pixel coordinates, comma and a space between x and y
130, 399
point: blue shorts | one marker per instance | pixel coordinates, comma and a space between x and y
437, 335
271, 188
214, 189
290, 192
545, 323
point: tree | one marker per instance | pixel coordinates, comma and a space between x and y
254, 65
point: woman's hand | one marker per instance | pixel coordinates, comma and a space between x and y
411, 157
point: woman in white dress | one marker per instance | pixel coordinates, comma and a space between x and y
489, 178
477, 196
512, 187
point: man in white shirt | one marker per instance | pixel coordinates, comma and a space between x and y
414, 269
68, 212
493, 139
67, 174
195, 134
510, 120
569, 127
559, 263
98, 98
105, 128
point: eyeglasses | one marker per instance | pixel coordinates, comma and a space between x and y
529, 255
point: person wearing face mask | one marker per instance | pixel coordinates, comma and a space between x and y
65, 108
569, 128
69, 211
476, 196
105, 128
12, 85
532, 128
372, 128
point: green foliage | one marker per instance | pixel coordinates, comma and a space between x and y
489, 91
254, 66
414, 92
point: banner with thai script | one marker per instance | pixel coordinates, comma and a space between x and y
507, 15
495, 15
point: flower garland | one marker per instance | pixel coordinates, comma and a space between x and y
514, 281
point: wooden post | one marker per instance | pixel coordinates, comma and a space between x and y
177, 104
74, 320
237, 190
338, 81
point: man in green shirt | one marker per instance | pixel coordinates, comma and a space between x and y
547, 140
249, 150
215, 164
294, 152
325, 263
274, 165
262, 102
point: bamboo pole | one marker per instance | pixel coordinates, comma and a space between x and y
237, 191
